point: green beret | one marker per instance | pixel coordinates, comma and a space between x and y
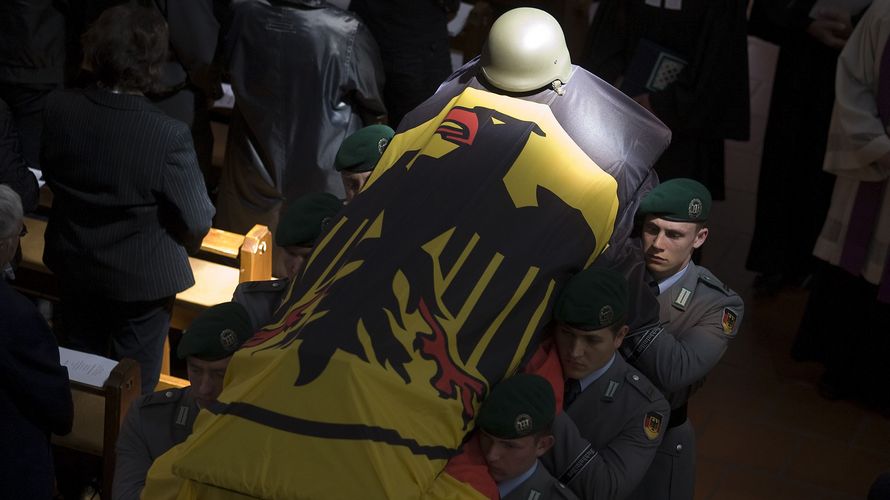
677, 200
361, 150
216, 333
593, 299
519, 406
305, 218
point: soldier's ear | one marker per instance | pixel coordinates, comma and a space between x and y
620, 334
700, 236
544, 444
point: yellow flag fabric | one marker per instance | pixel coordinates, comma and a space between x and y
429, 288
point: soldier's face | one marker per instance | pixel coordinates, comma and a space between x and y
206, 378
353, 183
668, 246
582, 352
295, 260
509, 458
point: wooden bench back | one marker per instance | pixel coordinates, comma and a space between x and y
214, 283
98, 414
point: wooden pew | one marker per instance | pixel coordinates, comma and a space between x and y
251, 253
214, 282
171, 382
98, 414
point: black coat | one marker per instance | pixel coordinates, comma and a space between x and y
35, 398
13, 168
32, 41
129, 199
709, 100
305, 75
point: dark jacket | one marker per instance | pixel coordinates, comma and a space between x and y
305, 75
35, 398
32, 41
129, 199
194, 31
13, 168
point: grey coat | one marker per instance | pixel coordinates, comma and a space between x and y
699, 316
540, 486
305, 76
154, 423
261, 299
603, 448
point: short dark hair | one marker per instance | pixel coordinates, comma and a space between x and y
545, 431
620, 321
126, 46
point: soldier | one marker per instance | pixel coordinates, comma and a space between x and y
300, 225
156, 422
514, 431
700, 315
613, 405
359, 154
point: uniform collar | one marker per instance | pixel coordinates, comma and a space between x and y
593, 377
505, 487
668, 282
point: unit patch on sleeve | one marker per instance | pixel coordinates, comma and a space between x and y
652, 424
729, 319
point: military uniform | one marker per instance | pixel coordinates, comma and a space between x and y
622, 415
261, 299
540, 486
699, 316
154, 423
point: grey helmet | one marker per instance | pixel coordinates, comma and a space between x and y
526, 50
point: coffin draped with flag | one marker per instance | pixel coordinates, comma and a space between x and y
430, 287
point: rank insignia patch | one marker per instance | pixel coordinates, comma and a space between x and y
729, 319
652, 424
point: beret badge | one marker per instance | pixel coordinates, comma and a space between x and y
695, 208
523, 424
607, 315
228, 339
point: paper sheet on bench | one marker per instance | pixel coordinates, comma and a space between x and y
86, 368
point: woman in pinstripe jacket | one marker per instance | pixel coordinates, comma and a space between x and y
129, 198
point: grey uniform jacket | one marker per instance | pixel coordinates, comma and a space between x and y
261, 299
699, 315
154, 423
607, 438
540, 486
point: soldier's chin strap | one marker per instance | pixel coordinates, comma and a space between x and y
558, 87
636, 342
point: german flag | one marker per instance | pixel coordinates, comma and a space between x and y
430, 287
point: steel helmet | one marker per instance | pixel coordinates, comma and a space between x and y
526, 50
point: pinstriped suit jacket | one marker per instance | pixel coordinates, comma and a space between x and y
129, 198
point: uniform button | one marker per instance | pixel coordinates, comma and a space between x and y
636, 377
169, 394
679, 447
